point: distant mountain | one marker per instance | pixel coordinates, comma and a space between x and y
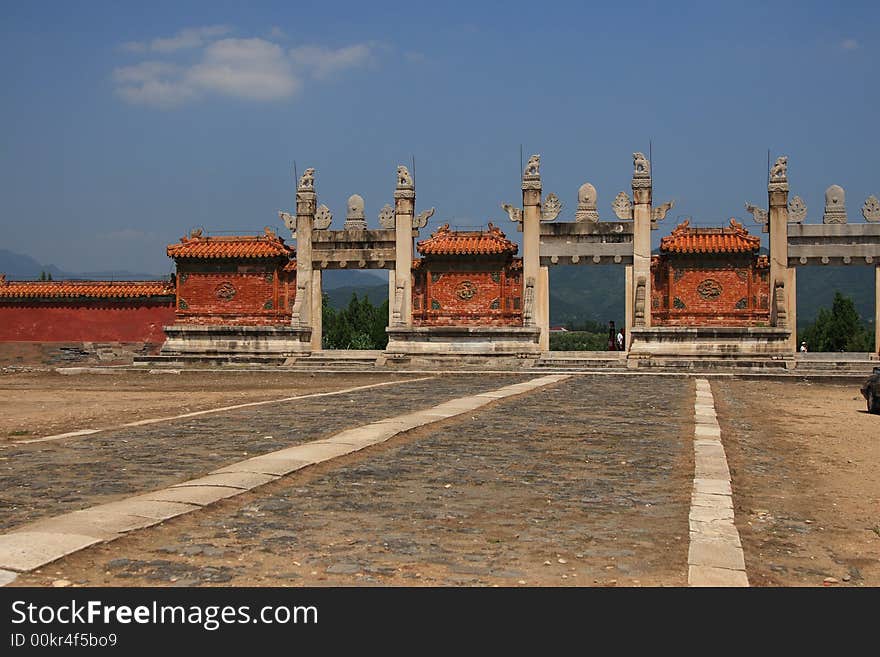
340, 296
23, 267
336, 278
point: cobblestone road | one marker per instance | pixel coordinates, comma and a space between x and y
45, 479
586, 482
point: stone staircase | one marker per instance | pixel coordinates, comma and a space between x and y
336, 361
581, 360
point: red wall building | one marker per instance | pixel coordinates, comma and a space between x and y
240, 280
85, 311
467, 278
710, 277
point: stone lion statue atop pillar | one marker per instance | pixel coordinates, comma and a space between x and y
404, 179
779, 170
307, 181
533, 168
641, 166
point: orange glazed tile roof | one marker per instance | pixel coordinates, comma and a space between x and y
237, 246
84, 289
477, 242
735, 239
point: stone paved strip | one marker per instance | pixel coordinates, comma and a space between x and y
584, 482
32, 546
715, 556
45, 479
208, 411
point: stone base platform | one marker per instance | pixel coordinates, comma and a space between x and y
461, 344
231, 344
710, 347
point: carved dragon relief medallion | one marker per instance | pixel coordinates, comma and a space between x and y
466, 291
225, 291
709, 289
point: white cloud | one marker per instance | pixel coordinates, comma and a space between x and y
193, 37
252, 69
157, 84
850, 44
322, 62
245, 68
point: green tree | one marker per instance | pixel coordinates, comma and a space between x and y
840, 329
360, 325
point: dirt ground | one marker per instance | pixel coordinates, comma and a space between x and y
42, 403
804, 462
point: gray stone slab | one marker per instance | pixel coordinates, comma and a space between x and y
314, 452
711, 500
707, 429
240, 480
100, 523
717, 553
710, 468
267, 464
710, 514
146, 507
712, 486
7, 577
23, 551
718, 530
198, 495
369, 434
709, 576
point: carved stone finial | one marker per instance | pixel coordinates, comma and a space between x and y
551, 207
288, 219
421, 220
532, 174
307, 181
404, 179
659, 213
641, 166
354, 215
758, 214
386, 217
323, 217
641, 171
835, 205
587, 200
779, 175
533, 168
515, 214
779, 170
871, 209
797, 210
623, 206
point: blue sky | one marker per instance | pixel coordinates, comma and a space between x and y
127, 124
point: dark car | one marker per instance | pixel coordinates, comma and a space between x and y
871, 391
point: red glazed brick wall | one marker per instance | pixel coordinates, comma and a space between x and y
709, 291
98, 320
445, 296
261, 297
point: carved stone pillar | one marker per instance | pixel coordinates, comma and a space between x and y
628, 312
777, 191
404, 209
877, 309
642, 192
317, 316
306, 204
531, 225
